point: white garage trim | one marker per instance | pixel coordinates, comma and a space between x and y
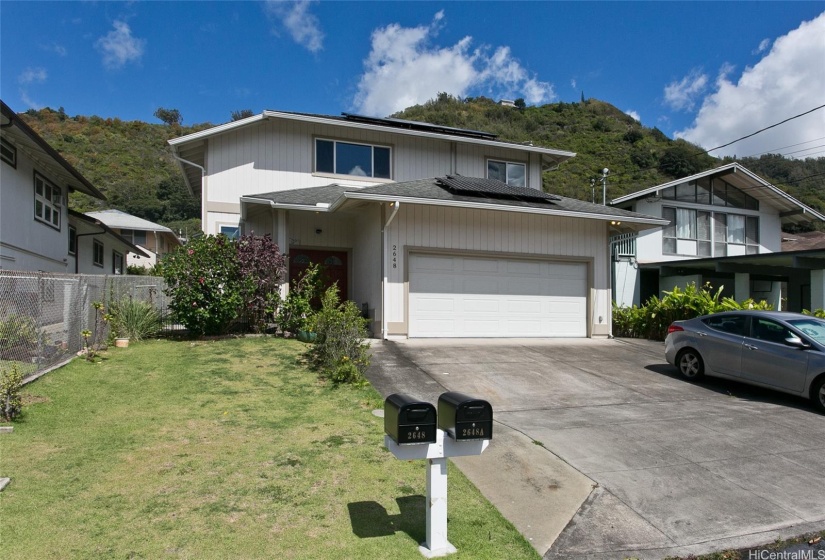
497, 296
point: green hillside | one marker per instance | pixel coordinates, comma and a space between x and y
128, 161
603, 136
131, 163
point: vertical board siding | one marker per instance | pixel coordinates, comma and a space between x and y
336, 230
485, 231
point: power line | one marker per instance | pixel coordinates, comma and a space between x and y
776, 150
762, 130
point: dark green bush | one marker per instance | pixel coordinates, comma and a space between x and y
135, 320
339, 351
204, 284
654, 317
300, 304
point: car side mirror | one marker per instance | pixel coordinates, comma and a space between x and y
797, 342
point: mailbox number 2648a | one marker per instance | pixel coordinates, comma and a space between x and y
472, 432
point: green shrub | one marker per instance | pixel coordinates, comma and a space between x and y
652, 319
10, 402
339, 351
135, 320
298, 308
204, 284
18, 330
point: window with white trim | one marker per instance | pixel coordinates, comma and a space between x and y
48, 201
349, 158
117, 263
512, 173
8, 152
232, 232
703, 230
97, 253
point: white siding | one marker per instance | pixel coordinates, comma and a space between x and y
321, 230
25, 243
502, 233
472, 161
366, 263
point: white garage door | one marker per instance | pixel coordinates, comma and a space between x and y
452, 296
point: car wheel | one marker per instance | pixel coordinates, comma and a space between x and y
818, 394
690, 364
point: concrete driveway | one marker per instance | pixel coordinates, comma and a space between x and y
600, 450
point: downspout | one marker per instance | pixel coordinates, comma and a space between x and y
203, 187
395, 206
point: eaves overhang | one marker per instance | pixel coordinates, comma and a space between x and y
75, 180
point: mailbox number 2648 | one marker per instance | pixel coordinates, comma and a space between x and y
412, 436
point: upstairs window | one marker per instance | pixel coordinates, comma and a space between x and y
716, 192
136, 236
47, 202
514, 174
8, 152
358, 160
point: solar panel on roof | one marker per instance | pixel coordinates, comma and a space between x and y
491, 187
417, 125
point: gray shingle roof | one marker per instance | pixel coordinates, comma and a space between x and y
434, 189
122, 220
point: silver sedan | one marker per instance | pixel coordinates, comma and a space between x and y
773, 349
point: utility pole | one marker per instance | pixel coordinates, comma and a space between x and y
605, 171
593, 191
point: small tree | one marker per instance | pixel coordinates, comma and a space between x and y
241, 114
261, 269
203, 281
10, 402
519, 103
172, 117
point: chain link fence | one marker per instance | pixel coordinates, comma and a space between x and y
42, 315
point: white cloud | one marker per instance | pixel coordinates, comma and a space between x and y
303, 26
763, 46
789, 80
24, 96
404, 69
634, 115
682, 95
119, 47
33, 76
573, 83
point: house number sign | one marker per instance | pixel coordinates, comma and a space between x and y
395, 256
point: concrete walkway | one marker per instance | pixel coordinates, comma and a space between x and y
601, 451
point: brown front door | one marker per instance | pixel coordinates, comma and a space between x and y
333, 267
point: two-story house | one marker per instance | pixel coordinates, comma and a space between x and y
434, 231
38, 232
724, 228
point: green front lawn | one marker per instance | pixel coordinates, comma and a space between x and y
219, 449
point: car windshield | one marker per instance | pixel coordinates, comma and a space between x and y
813, 328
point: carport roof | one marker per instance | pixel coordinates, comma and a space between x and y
780, 264
433, 191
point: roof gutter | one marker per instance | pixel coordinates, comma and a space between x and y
318, 207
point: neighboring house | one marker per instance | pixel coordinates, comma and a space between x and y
38, 232
433, 231
803, 241
156, 240
95, 248
724, 228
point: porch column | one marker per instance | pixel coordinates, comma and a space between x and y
817, 289
282, 240
775, 298
742, 286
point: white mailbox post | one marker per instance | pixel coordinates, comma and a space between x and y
436, 455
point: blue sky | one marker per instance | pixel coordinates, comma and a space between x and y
707, 71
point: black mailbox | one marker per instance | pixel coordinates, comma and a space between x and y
408, 421
464, 417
